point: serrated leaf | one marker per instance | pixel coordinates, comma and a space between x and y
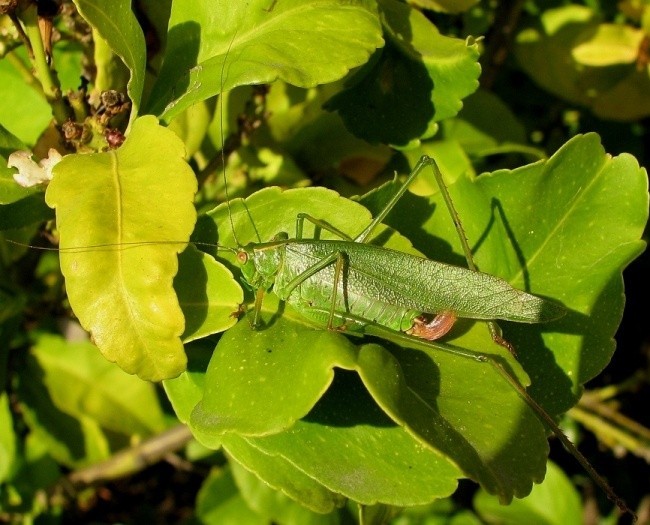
274, 505
119, 27
280, 475
256, 42
418, 79
122, 293
553, 502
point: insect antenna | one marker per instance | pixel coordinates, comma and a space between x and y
114, 245
223, 142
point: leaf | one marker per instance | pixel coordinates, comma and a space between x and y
272, 211
219, 502
23, 110
553, 502
72, 441
258, 42
123, 294
208, 294
445, 6
118, 26
83, 384
248, 374
275, 506
24, 212
283, 476
609, 45
615, 91
351, 447
418, 79
7, 439
10, 191
186, 390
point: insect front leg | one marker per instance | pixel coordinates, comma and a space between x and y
320, 225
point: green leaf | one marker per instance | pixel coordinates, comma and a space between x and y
7, 439
72, 441
131, 276
10, 190
83, 384
611, 44
612, 88
488, 450
282, 476
23, 109
186, 390
28, 210
243, 380
208, 294
258, 42
350, 446
118, 26
219, 502
274, 505
553, 502
417, 80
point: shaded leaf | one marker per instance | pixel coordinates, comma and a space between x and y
351, 447
418, 79
7, 439
122, 293
83, 384
562, 228
219, 502
208, 294
615, 91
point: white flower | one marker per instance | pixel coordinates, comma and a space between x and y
29, 173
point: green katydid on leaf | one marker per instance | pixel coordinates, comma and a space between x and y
276, 398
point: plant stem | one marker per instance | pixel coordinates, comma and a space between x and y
42, 70
131, 460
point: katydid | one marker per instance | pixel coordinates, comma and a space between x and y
348, 284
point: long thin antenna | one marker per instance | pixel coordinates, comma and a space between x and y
223, 142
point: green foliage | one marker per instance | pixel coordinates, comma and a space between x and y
300, 424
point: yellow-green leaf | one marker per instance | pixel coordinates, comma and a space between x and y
120, 284
609, 45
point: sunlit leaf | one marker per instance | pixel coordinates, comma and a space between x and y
256, 42
136, 202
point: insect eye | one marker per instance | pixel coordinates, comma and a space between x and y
242, 257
